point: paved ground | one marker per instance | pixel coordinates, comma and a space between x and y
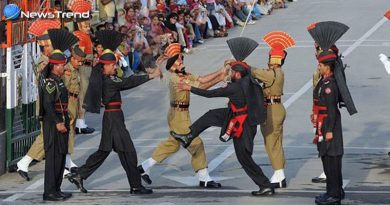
366, 164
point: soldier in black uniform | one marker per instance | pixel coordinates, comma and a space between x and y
330, 93
54, 114
330, 141
244, 113
104, 87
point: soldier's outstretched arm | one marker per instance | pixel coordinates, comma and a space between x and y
134, 81
210, 77
219, 92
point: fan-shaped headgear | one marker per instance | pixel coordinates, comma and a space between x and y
279, 41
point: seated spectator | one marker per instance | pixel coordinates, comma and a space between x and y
222, 15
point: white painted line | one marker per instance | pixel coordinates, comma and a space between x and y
364, 37
345, 182
13, 197
36, 184
213, 164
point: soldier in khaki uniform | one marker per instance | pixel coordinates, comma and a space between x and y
179, 118
71, 80
273, 79
86, 45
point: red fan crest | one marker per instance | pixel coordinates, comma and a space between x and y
81, 6
40, 26
279, 40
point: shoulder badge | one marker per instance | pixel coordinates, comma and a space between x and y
50, 87
116, 79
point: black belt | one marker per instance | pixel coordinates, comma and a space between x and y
73, 95
88, 63
174, 105
269, 101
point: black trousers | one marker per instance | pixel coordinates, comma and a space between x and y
54, 169
243, 146
334, 178
128, 161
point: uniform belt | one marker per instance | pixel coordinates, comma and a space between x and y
184, 106
273, 101
113, 107
88, 63
75, 95
61, 110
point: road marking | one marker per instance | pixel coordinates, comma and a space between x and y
13, 197
36, 184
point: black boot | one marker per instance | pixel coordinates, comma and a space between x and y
24, 175
144, 176
328, 201
66, 195
77, 180
282, 184
140, 190
264, 192
53, 197
209, 184
185, 140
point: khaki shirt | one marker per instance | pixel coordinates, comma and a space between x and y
41, 64
71, 79
273, 81
181, 96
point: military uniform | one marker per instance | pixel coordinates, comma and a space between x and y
55, 101
272, 129
329, 120
244, 111
106, 89
179, 121
85, 73
114, 133
72, 82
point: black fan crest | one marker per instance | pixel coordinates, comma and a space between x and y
62, 39
241, 47
326, 33
109, 39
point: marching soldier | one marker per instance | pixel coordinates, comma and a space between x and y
244, 112
39, 29
179, 118
54, 114
86, 45
105, 87
71, 79
273, 79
